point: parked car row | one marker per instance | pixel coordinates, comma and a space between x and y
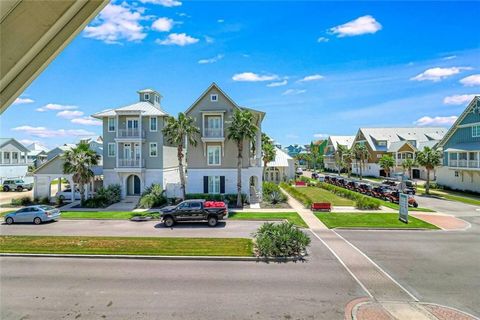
388, 192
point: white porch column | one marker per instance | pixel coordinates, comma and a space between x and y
140, 142
72, 188
35, 189
59, 184
258, 147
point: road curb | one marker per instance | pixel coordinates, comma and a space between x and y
386, 229
147, 257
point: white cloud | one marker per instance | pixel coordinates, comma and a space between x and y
163, 24
165, 3
178, 39
253, 77
437, 74
43, 132
321, 135
56, 107
27, 142
116, 23
220, 21
277, 84
69, 114
470, 81
313, 77
209, 39
211, 60
459, 99
291, 92
436, 121
323, 39
21, 100
87, 121
449, 57
359, 26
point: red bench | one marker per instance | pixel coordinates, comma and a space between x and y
300, 184
322, 206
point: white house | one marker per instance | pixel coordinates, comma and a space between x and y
282, 168
13, 159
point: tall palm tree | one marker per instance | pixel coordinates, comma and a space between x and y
79, 162
386, 162
348, 157
407, 165
268, 152
339, 154
429, 158
361, 153
178, 132
241, 129
315, 154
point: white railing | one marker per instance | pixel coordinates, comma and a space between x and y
473, 164
131, 163
15, 161
213, 133
131, 133
463, 163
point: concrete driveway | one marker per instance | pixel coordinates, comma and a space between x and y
125, 228
446, 206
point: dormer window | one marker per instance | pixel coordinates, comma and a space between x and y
382, 143
157, 99
146, 96
214, 97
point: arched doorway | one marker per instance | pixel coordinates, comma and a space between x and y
133, 185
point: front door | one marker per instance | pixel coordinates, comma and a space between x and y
136, 185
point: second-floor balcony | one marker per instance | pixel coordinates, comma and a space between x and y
131, 133
131, 163
213, 133
16, 161
464, 164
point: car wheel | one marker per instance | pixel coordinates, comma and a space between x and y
415, 205
6, 189
168, 222
19, 189
212, 221
37, 220
61, 198
9, 220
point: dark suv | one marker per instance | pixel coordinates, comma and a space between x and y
195, 210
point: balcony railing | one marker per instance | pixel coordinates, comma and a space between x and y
131, 163
464, 163
213, 133
15, 161
131, 133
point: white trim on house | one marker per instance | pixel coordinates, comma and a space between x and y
150, 123
211, 148
110, 144
150, 149
115, 123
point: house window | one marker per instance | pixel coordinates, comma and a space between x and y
475, 131
213, 184
146, 96
111, 149
456, 173
214, 97
111, 124
379, 156
153, 123
153, 149
157, 99
382, 143
214, 127
213, 155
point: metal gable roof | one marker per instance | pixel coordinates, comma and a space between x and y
146, 108
281, 159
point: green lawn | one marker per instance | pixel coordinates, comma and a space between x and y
103, 214
292, 217
127, 245
453, 196
370, 220
395, 206
322, 195
2, 214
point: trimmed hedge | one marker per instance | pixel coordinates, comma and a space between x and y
280, 240
361, 201
297, 195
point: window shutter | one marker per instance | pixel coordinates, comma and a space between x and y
205, 184
222, 184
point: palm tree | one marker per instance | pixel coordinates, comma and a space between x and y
268, 152
361, 153
348, 157
241, 129
386, 162
178, 132
407, 165
339, 153
315, 154
429, 158
78, 162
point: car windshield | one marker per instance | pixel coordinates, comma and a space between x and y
46, 208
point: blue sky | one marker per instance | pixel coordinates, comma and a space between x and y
316, 68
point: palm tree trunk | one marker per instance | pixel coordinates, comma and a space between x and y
82, 193
239, 173
180, 168
427, 185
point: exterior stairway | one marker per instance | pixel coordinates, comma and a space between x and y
255, 198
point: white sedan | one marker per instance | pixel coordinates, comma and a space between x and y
66, 195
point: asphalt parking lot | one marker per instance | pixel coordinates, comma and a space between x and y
450, 207
126, 228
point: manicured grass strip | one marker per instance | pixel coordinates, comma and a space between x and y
453, 196
2, 214
322, 195
395, 206
370, 220
127, 245
292, 217
101, 214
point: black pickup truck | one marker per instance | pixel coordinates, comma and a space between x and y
194, 210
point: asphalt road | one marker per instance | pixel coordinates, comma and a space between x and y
441, 267
451, 207
125, 228
53, 288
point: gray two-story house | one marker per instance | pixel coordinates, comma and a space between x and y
135, 154
212, 163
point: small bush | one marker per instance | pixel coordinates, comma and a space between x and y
271, 193
268, 188
104, 197
26, 201
367, 203
16, 202
59, 201
45, 200
277, 197
280, 240
153, 196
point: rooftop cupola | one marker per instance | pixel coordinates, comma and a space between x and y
151, 96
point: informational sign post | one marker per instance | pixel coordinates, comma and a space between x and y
403, 210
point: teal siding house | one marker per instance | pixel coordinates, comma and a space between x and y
461, 151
